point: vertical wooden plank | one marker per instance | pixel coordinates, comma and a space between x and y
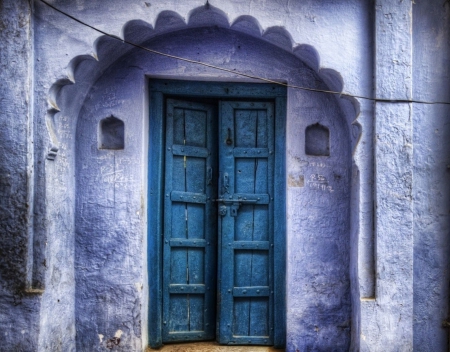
178, 224
259, 317
245, 175
270, 116
242, 277
259, 307
197, 314
261, 173
176, 306
196, 268
262, 130
177, 271
261, 223
226, 230
244, 223
259, 312
211, 229
177, 126
196, 221
241, 317
279, 222
178, 173
196, 126
187, 125
260, 268
155, 217
195, 135
252, 125
168, 325
196, 172
178, 317
245, 125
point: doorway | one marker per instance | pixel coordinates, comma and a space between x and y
216, 211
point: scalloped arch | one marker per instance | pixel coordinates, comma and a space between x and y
106, 50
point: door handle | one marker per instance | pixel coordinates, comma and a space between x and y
229, 141
209, 175
225, 183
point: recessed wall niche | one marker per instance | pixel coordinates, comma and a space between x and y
111, 188
111, 133
317, 140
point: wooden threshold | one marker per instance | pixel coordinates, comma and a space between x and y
212, 347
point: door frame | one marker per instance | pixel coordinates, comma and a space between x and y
158, 90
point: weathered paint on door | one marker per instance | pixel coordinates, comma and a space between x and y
216, 190
245, 162
246, 224
189, 269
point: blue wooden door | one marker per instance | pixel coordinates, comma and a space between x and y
218, 222
246, 159
189, 255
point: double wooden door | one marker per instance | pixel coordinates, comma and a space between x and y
218, 235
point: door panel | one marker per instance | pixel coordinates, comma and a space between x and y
246, 160
189, 282
184, 240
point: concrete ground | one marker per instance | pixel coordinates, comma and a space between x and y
212, 347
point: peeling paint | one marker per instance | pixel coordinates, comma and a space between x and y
97, 282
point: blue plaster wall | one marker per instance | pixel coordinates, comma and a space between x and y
36, 114
431, 81
19, 308
110, 233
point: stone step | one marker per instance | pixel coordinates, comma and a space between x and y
212, 347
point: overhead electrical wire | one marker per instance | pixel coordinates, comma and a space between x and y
237, 72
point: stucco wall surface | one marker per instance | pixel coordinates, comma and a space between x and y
431, 188
19, 310
55, 40
109, 220
393, 237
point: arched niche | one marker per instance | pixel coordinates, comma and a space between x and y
111, 196
111, 133
317, 140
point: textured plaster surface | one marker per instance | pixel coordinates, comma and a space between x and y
405, 243
109, 227
19, 311
393, 67
111, 295
394, 239
431, 191
387, 319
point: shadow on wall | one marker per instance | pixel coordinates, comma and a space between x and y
110, 170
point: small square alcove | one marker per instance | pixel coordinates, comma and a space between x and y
317, 140
111, 133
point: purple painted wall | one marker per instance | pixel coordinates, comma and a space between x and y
367, 227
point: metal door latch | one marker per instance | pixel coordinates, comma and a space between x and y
234, 209
222, 210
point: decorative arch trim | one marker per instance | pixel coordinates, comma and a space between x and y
108, 49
